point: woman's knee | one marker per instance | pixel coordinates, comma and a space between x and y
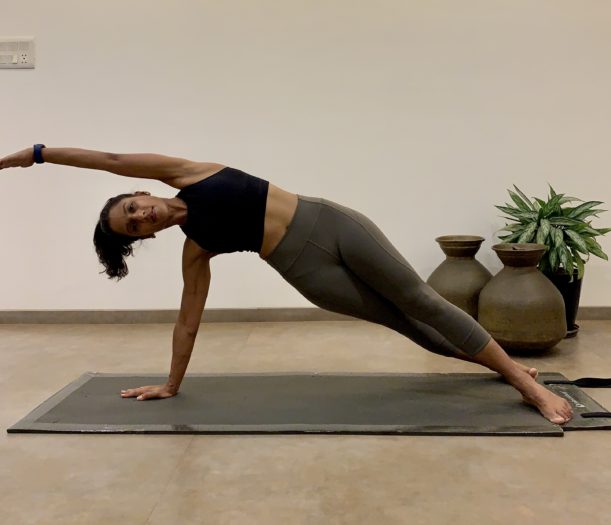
420, 300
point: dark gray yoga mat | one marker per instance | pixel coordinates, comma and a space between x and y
429, 404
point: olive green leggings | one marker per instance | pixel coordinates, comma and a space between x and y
340, 260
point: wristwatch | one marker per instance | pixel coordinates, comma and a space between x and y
38, 153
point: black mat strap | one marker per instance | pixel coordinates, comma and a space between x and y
585, 382
596, 414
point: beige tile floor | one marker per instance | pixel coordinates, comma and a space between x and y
286, 479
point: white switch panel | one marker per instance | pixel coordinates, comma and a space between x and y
17, 53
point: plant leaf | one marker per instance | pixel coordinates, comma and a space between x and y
553, 259
586, 214
521, 215
564, 200
519, 202
570, 264
595, 249
563, 255
580, 244
563, 221
541, 236
508, 210
510, 238
589, 231
574, 249
513, 227
557, 237
524, 197
580, 267
543, 231
528, 233
582, 208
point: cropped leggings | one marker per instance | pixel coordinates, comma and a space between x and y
340, 260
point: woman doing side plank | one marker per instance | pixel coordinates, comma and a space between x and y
335, 256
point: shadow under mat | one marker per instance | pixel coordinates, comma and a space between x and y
344, 403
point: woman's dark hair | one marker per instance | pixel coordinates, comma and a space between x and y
111, 247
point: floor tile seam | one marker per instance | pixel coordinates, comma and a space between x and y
248, 338
162, 492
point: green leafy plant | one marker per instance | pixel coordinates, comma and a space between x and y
565, 229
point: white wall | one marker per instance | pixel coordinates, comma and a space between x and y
419, 114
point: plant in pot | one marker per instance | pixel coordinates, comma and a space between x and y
566, 230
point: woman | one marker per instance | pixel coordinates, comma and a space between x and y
335, 256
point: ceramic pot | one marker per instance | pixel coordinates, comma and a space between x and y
460, 278
519, 306
570, 289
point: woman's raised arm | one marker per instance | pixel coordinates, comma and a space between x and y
174, 171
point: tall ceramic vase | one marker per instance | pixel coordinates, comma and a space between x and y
570, 289
460, 278
520, 307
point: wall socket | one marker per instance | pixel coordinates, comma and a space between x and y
17, 53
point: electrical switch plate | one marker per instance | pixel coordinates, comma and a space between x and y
17, 53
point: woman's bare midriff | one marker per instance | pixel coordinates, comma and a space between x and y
279, 211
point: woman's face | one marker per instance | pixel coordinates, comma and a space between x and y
139, 216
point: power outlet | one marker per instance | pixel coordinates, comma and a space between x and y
17, 53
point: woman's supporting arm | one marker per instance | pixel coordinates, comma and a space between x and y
175, 171
196, 275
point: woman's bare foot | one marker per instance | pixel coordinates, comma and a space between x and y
551, 406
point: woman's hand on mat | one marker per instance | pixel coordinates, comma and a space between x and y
150, 392
21, 159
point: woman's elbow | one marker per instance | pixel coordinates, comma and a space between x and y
186, 329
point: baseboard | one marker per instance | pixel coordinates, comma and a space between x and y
213, 315
594, 313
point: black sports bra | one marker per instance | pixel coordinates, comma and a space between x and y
226, 211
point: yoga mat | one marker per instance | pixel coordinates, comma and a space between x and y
428, 404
